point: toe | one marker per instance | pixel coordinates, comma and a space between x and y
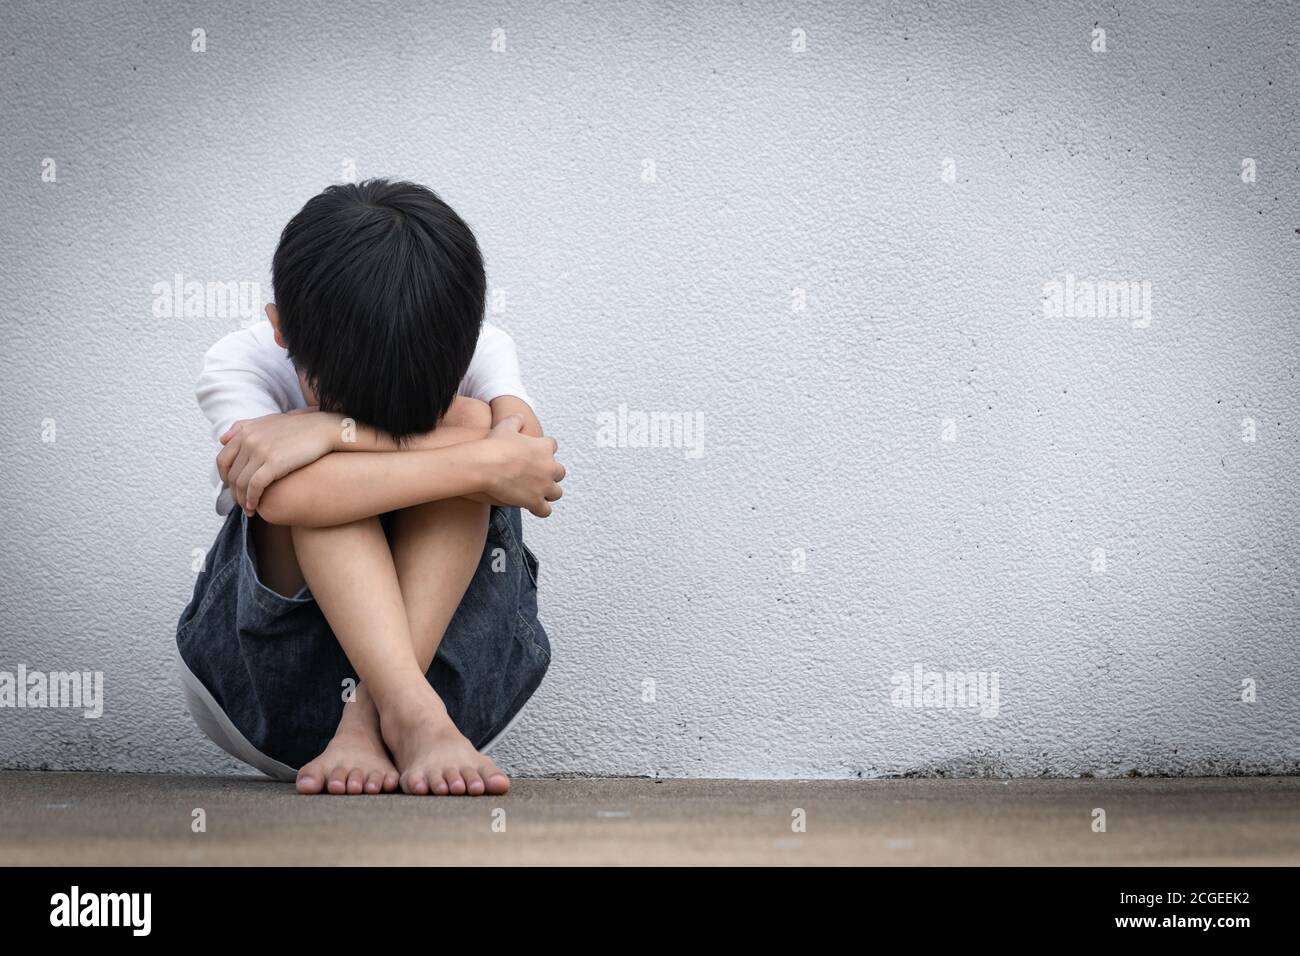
374, 781
337, 781
494, 779
391, 781
438, 785
415, 782
455, 783
311, 778
356, 780
473, 782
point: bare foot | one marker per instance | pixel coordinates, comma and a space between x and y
355, 761
433, 756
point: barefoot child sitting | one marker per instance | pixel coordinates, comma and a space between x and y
367, 616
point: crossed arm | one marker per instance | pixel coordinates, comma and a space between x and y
314, 469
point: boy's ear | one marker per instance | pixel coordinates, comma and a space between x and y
273, 315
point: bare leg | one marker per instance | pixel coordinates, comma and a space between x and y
356, 760
436, 550
355, 578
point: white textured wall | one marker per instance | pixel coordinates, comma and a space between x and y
823, 428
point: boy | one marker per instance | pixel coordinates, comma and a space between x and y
367, 617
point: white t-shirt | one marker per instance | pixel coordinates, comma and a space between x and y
246, 375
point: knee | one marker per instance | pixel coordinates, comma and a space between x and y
439, 519
468, 413
316, 537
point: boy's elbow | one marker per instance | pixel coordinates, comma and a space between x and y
467, 412
278, 506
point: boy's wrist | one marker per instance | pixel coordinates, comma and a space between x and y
481, 464
331, 425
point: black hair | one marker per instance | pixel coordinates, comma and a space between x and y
380, 287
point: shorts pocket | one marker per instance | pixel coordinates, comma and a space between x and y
531, 564
207, 588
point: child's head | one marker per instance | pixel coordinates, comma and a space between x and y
378, 299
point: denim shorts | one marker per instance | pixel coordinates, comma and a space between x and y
268, 669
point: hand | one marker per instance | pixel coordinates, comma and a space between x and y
259, 451
521, 470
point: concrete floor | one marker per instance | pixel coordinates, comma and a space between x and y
143, 819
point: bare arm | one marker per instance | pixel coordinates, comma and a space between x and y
341, 487
258, 452
466, 420
507, 467
508, 405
